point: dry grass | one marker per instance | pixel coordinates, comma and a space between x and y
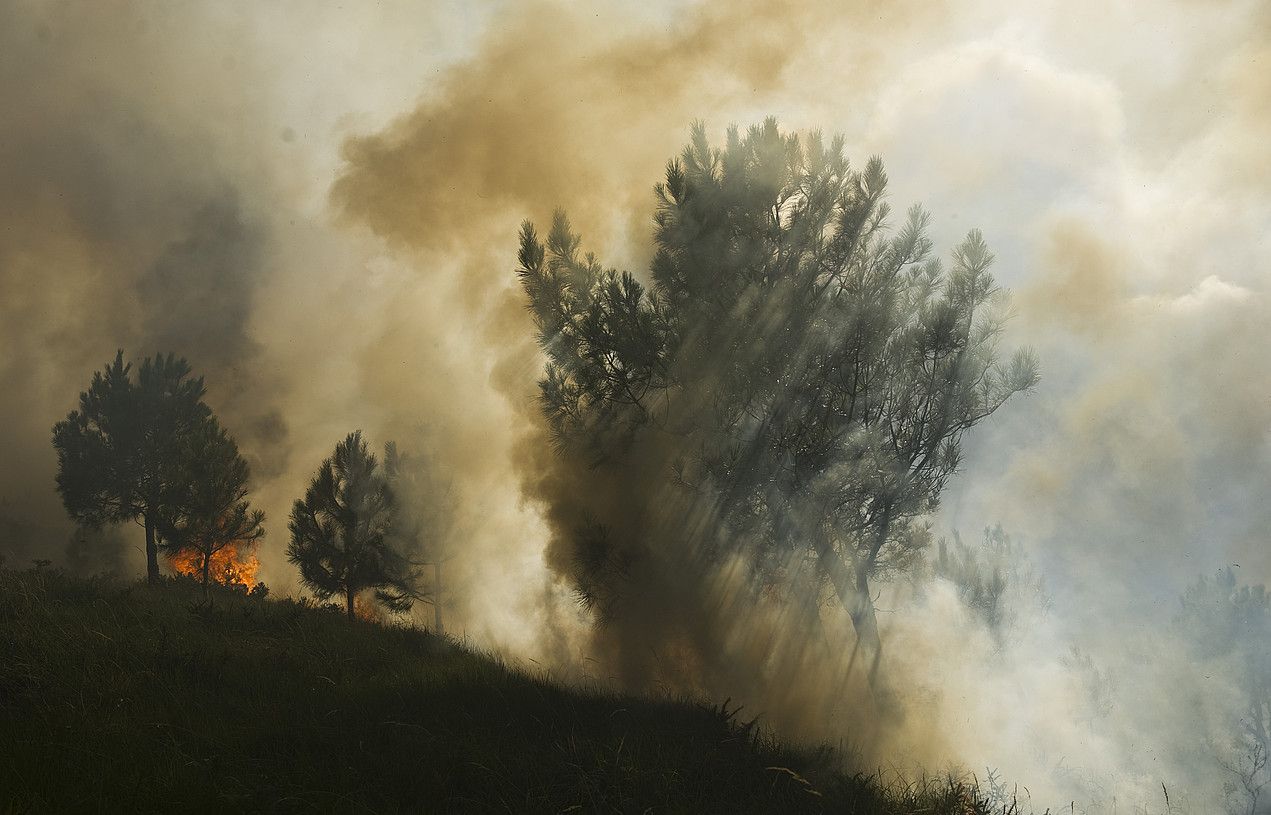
125, 698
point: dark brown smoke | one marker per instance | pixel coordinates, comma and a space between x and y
557, 110
318, 205
119, 228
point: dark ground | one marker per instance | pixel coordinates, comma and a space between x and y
125, 698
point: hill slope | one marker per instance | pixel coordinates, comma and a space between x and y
129, 698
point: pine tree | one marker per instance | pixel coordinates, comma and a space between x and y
422, 518
809, 373
209, 510
341, 532
1228, 627
117, 454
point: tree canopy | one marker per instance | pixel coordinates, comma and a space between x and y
1229, 625
120, 453
808, 371
994, 580
423, 517
210, 510
342, 532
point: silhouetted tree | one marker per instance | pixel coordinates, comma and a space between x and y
994, 579
813, 372
1229, 625
422, 517
95, 551
341, 532
117, 454
209, 510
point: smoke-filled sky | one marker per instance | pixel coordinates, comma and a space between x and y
317, 205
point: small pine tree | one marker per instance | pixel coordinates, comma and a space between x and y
341, 532
423, 518
116, 455
1228, 627
995, 580
212, 511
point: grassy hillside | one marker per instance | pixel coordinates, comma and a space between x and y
128, 698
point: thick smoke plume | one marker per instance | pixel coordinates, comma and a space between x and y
125, 224
318, 207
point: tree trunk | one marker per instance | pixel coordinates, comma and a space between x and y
348, 596
152, 551
436, 599
853, 593
207, 559
865, 621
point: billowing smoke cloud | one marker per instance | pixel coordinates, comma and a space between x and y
165, 174
1133, 224
562, 109
122, 226
318, 207
1096, 188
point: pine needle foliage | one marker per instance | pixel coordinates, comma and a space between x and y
341, 532
119, 454
812, 367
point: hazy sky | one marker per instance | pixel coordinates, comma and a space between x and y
318, 206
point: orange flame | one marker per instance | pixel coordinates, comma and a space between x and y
235, 565
365, 608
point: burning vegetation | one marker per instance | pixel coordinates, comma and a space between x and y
234, 566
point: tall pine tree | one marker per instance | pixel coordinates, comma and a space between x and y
118, 453
805, 373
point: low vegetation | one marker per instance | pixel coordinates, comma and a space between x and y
136, 698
